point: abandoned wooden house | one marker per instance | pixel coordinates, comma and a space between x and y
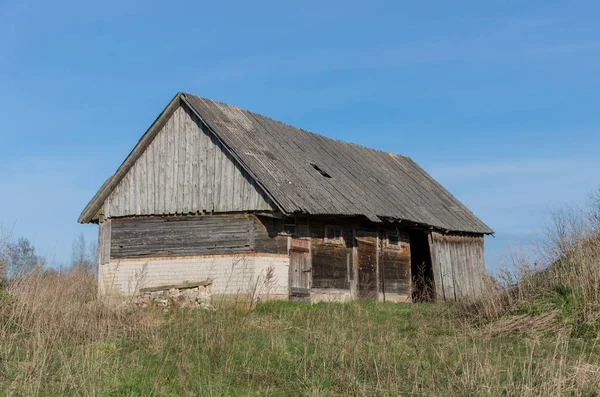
214, 191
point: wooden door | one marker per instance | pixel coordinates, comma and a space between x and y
300, 268
366, 242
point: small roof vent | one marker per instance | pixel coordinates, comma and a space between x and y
320, 171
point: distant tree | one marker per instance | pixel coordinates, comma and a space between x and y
4, 239
20, 258
83, 256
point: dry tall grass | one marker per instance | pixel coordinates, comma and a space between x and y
57, 339
45, 316
560, 272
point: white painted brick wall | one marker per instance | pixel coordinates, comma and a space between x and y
230, 275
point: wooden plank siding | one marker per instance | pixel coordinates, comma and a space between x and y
330, 268
337, 266
457, 261
395, 264
185, 170
458, 265
156, 237
104, 236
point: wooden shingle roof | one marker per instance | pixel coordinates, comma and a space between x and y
308, 173
304, 172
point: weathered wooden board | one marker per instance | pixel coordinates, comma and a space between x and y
458, 265
151, 237
184, 170
395, 265
300, 267
186, 285
330, 260
104, 235
367, 243
266, 237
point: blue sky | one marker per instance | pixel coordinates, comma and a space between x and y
497, 100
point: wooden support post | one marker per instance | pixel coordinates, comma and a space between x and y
438, 285
378, 273
354, 284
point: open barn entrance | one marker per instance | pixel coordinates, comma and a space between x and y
421, 268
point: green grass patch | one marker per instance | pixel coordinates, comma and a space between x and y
291, 349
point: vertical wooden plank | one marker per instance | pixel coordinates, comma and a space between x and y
229, 169
104, 237
217, 177
178, 164
248, 190
237, 187
251, 196
187, 171
219, 180
156, 166
457, 269
453, 260
231, 183
256, 198
473, 260
437, 277
118, 200
150, 177
470, 274
100, 243
355, 264
195, 131
210, 173
181, 149
223, 177
377, 271
161, 171
202, 159
448, 272
226, 182
115, 201
130, 191
241, 189
171, 163
479, 267
467, 276
134, 189
166, 159
108, 205
121, 197
125, 194
142, 203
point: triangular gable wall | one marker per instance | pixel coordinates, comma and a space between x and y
185, 169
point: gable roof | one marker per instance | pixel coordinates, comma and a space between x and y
303, 172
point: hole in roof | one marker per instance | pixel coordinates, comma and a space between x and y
322, 172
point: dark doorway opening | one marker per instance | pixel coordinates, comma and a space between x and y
423, 288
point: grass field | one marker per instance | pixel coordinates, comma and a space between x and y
534, 334
56, 340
